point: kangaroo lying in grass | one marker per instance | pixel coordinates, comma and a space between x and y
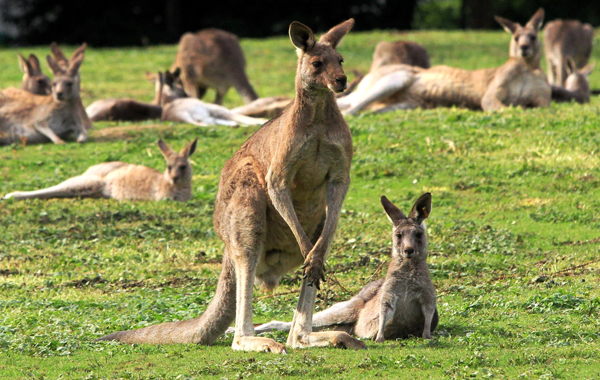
518, 82
213, 58
34, 80
278, 204
39, 118
577, 85
166, 91
564, 40
122, 181
399, 306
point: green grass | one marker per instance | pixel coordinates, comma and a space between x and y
513, 234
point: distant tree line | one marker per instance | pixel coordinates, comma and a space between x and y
137, 22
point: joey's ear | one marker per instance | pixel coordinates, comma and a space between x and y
391, 210
302, 37
335, 34
24, 65
421, 208
508, 25
536, 20
189, 149
35, 63
587, 69
570, 66
54, 66
165, 149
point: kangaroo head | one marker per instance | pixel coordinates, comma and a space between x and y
167, 86
179, 170
525, 43
409, 239
577, 79
33, 79
319, 64
65, 85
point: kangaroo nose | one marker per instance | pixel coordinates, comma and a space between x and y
409, 251
341, 80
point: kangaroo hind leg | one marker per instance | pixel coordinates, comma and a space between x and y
380, 89
76, 187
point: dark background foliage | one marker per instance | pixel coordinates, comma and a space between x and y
137, 22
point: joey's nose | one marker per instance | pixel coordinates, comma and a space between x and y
341, 81
409, 251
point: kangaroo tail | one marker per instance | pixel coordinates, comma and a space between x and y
248, 120
242, 85
204, 329
76, 187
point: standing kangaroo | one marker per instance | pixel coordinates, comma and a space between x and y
400, 52
278, 204
213, 58
38, 118
122, 181
34, 80
401, 305
518, 82
563, 40
577, 85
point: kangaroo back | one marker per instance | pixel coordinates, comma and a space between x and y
400, 52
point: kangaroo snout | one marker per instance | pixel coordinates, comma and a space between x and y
409, 251
342, 81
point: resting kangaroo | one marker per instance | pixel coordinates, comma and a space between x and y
563, 40
213, 58
400, 52
278, 204
518, 82
401, 305
34, 80
577, 85
122, 181
39, 118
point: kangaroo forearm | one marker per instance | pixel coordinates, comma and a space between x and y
336, 193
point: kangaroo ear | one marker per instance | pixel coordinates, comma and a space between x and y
393, 212
536, 20
75, 62
165, 149
508, 25
335, 34
24, 65
421, 208
79, 51
35, 63
176, 73
587, 69
189, 149
570, 66
54, 66
169, 78
58, 54
302, 37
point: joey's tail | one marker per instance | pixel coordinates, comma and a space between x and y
204, 329
76, 187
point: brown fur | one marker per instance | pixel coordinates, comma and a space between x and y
563, 40
213, 58
277, 207
519, 82
34, 80
38, 118
577, 85
399, 306
122, 181
400, 52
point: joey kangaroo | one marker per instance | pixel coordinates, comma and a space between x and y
277, 207
518, 82
577, 85
213, 58
401, 305
34, 80
166, 91
39, 118
122, 181
400, 52
563, 40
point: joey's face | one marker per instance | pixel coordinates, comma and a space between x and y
525, 43
179, 169
321, 67
39, 84
409, 241
64, 88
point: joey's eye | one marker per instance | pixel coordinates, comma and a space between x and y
317, 64
419, 235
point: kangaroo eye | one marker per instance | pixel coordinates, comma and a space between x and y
419, 235
533, 38
169, 167
399, 236
317, 64
182, 167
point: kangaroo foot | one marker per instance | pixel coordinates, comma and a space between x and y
326, 338
256, 343
313, 271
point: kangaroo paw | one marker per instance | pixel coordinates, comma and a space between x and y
313, 271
